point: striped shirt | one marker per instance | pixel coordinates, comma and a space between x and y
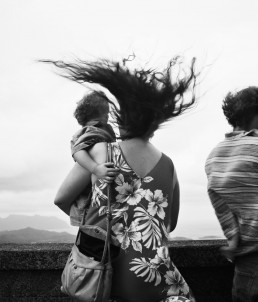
232, 171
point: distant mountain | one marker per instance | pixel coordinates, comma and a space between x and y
179, 238
30, 235
16, 222
210, 237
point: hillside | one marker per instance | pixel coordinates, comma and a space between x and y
16, 222
179, 238
30, 235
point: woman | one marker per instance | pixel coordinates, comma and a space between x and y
145, 193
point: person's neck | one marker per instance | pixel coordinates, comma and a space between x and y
95, 121
251, 125
139, 140
237, 128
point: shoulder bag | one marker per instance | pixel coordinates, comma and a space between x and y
83, 278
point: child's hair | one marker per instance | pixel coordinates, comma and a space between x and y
146, 97
91, 106
239, 108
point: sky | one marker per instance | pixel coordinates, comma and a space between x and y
36, 116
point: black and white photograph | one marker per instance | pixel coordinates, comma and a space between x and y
129, 151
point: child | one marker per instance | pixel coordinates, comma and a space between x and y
92, 114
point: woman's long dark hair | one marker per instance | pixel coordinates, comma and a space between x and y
146, 97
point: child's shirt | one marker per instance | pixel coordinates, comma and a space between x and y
92, 133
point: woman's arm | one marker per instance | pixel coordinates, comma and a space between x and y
174, 203
78, 178
74, 183
175, 207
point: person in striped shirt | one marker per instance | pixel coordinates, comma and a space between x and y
232, 172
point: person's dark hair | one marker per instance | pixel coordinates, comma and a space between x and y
239, 108
146, 97
91, 106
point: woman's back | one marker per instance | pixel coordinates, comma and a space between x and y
145, 208
140, 155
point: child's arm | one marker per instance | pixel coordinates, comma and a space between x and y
106, 171
74, 183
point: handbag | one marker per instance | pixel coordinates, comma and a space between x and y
85, 279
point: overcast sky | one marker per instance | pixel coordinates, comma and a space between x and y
36, 116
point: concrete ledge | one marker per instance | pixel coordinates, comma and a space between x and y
32, 272
206, 271
34, 256
198, 253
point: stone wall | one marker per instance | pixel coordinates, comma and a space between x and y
32, 272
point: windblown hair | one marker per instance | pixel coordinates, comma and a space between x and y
91, 106
146, 97
239, 108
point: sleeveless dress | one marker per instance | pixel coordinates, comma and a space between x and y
141, 210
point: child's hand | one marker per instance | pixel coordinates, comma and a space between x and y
106, 171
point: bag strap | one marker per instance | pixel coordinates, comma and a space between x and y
108, 213
108, 216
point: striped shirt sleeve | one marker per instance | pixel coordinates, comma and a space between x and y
232, 172
224, 214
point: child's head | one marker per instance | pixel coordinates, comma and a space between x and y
93, 106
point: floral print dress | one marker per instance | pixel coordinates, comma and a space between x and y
141, 207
